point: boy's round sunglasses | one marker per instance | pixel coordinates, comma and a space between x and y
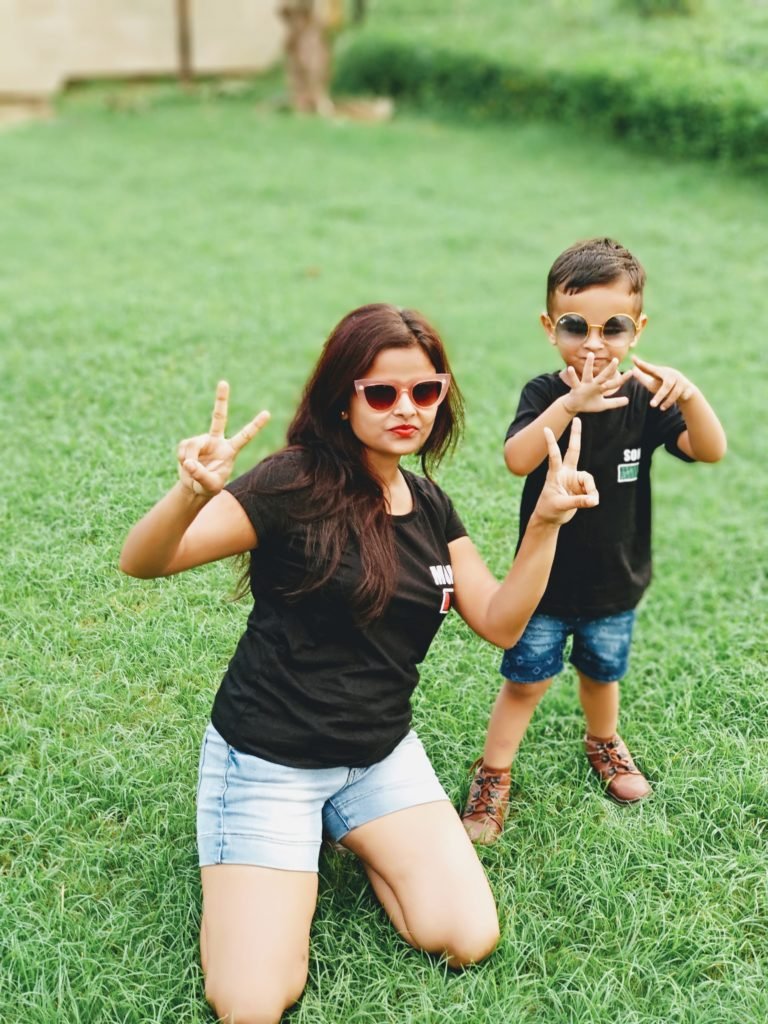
617, 329
382, 395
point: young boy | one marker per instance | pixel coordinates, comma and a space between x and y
603, 561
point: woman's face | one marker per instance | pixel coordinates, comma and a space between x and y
404, 428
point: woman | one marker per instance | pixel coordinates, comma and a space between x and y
354, 562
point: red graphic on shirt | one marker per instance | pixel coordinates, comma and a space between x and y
442, 575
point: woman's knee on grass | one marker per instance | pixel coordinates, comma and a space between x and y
471, 946
466, 942
239, 1001
464, 938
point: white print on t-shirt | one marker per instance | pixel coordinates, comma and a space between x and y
629, 470
443, 574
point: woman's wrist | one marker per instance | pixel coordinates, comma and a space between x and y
190, 498
539, 523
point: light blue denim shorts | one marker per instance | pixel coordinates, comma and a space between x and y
251, 811
600, 648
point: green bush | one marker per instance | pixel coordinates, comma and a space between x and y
680, 110
654, 8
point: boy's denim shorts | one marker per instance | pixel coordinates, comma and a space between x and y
600, 648
251, 811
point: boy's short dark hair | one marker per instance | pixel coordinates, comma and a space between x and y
591, 262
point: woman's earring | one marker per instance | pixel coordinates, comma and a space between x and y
344, 414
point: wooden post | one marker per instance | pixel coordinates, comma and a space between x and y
184, 42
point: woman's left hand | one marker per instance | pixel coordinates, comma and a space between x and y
566, 488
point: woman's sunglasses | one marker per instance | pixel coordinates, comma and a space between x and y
382, 395
618, 329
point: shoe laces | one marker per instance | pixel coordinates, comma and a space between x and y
609, 753
484, 792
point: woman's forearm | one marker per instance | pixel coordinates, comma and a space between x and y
518, 595
152, 543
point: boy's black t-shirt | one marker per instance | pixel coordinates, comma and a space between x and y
603, 559
307, 686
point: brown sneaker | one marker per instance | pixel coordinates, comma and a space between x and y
624, 782
487, 803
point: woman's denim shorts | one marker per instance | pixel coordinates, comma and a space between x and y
600, 648
251, 811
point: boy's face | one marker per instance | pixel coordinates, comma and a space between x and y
611, 307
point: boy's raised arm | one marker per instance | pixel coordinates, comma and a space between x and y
704, 438
527, 449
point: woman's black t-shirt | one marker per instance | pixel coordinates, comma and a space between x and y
307, 686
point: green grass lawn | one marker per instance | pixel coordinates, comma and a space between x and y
145, 255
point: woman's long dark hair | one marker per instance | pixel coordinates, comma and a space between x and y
342, 497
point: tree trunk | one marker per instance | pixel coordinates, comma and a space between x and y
308, 52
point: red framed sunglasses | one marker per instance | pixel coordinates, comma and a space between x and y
382, 395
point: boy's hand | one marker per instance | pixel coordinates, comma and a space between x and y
566, 488
591, 394
667, 384
206, 461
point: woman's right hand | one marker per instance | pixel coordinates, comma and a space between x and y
566, 488
206, 461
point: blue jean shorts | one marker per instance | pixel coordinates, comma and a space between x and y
600, 648
251, 811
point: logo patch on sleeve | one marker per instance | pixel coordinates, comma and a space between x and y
628, 471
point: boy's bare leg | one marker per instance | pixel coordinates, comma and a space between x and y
511, 715
486, 806
606, 751
600, 702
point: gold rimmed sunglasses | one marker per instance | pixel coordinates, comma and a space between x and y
618, 329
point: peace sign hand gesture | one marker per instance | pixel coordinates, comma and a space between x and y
566, 488
206, 461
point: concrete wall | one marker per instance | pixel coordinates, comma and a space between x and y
44, 43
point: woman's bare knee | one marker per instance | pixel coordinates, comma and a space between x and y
472, 946
462, 941
240, 1004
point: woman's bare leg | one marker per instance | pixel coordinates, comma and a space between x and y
429, 880
254, 940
